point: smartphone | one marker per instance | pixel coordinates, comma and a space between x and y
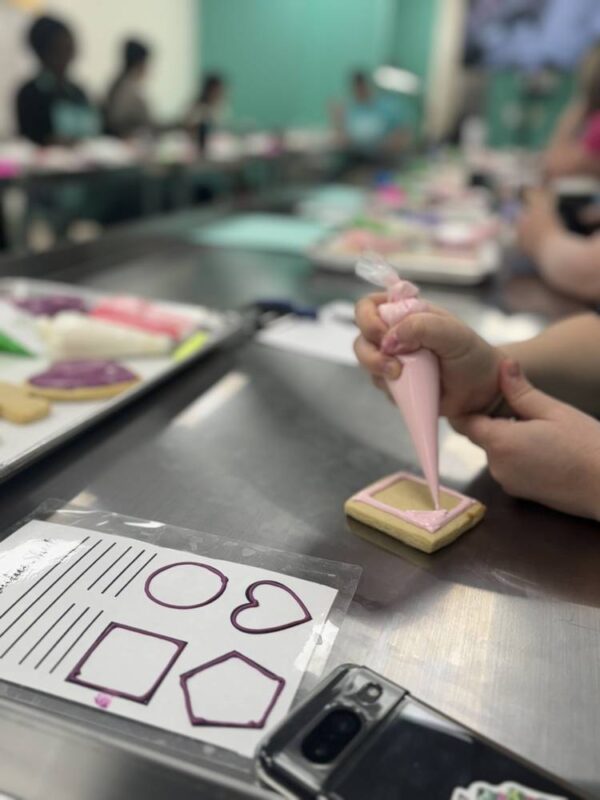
361, 736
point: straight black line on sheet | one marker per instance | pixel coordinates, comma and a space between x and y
52, 585
46, 632
135, 574
45, 575
78, 639
116, 578
61, 637
48, 607
108, 569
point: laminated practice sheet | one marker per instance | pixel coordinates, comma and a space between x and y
210, 649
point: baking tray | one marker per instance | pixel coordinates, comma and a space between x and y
424, 266
21, 445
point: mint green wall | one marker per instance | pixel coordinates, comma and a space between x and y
288, 59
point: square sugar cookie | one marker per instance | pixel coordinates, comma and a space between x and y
400, 506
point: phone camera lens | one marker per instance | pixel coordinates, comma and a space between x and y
333, 733
371, 692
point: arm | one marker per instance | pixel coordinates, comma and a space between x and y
568, 262
338, 123
565, 154
33, 116
571, 264
567, 126
564, 361
570, 158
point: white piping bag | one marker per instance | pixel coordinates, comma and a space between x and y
417, 390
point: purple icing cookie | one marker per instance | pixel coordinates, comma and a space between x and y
50, 305
83, 373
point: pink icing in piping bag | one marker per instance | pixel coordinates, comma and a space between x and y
417, 390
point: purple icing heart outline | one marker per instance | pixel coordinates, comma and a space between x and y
223, 578
254, 603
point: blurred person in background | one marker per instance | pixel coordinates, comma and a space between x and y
568, 262
574, 148
50, 108
207, 111
126, 110
371, 124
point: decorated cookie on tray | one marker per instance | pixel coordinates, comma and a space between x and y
20, 406
82, 379
403, 506
48, 305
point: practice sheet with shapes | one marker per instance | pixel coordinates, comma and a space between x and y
210, 649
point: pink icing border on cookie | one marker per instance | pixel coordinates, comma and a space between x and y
430, 521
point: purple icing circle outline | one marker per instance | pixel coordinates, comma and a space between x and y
254, 603
185, 677
214, 570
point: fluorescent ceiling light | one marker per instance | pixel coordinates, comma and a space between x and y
397, 80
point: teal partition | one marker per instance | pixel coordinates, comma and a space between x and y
287, 60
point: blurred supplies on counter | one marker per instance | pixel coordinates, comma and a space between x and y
427, 246
330, 336
87, 354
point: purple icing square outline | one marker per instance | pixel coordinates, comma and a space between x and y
214, 570
73, 676
254, 603
253, 724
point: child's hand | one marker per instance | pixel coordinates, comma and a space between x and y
551, 454
469, 365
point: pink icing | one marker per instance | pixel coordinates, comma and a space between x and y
82, 373
430, 521
103, 700
146, 316
417, 390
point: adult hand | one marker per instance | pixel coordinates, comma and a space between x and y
550, 453
468, 364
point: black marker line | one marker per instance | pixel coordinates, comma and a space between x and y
81, 635
61, 637
52, 585
46, 632
108, 569
114, 544
45, 575
48, 607
116, 578
134, 576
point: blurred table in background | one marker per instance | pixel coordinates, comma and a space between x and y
499, 631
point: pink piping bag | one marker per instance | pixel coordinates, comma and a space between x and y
417, 390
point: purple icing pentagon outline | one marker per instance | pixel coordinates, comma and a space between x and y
218, 593
254, 603
253, 724
73, 676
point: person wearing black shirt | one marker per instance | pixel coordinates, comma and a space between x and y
51, 109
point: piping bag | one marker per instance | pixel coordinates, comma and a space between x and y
417, 390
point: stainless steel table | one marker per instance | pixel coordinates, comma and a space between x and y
501, 631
